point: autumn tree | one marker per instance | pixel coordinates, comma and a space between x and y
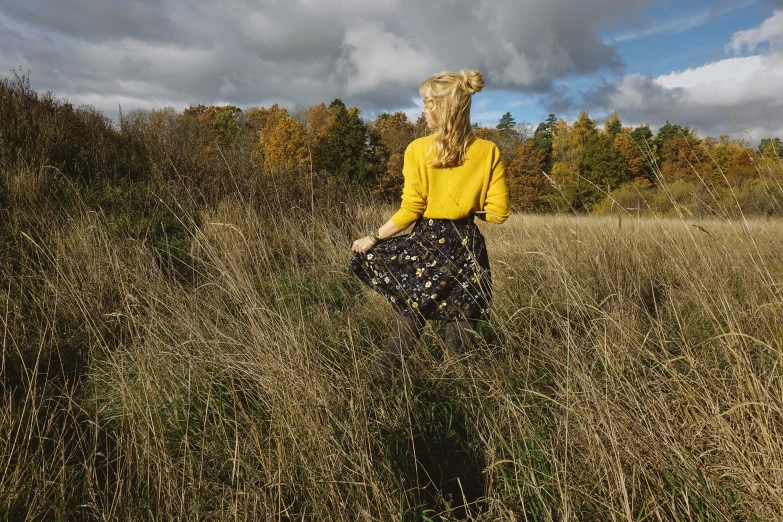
390, 135
527, 184
217, 125
681, 158
566, 159
637, 167
319, 123
254, 120
562, 150
285, 146
568, 146
203, 113
728, 160
581, 131
265, 119
222, 123
666, 133
420, 127
743, 168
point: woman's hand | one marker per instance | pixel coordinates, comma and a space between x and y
366, 243
363, 245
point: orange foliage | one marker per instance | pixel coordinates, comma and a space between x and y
732, 160
283, 143
635, 163
391, 134
681, 159
203, 113
525, 178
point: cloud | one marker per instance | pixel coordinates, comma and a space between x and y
769, 32
373, 58
373, 54
97, 20
728, 96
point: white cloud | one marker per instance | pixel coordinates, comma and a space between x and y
710, 97
770, 32
373, 58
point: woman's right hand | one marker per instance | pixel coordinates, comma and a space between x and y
362, 245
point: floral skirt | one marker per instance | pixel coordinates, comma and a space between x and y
438, 271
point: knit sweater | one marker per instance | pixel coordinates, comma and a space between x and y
479, 184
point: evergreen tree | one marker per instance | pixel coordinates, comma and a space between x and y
613, 126
603, 166
771, 147
506, 123
670, 132
506, 133
542, 139
345, 152
642, 136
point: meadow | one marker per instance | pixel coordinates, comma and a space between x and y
630, 371
182, 340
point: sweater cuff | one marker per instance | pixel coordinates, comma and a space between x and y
491, 217
404, 218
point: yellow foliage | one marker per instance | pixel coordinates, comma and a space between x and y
319, 122
560, 141
285, 146
265, 120
581, 130
566, 181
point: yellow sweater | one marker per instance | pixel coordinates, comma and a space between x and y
479, 184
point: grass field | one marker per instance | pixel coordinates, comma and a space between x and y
631, 371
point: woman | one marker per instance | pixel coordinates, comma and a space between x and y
440, 270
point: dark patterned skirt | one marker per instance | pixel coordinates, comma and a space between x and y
438, 271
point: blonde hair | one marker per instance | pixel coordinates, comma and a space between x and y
447, 98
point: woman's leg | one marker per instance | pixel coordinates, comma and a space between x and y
404, 334
461, 336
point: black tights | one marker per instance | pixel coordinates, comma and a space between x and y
460, 337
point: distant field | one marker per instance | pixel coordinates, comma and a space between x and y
631, 371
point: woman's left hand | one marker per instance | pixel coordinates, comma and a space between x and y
363, 245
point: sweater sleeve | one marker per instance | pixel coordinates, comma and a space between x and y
496, 202
413, 202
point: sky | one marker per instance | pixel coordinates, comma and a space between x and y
715, 65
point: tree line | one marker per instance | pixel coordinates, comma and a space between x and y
580, 166
553, 167
557, 166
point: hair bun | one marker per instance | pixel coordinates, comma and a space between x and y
471, 81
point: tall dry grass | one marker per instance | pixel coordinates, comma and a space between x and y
630, 372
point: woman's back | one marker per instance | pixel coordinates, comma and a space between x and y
441, 269
453, 192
